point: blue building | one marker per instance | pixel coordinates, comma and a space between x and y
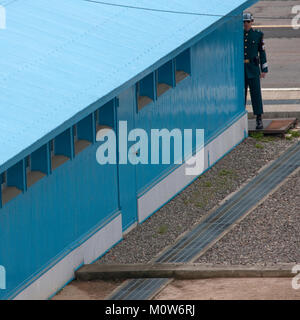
67, 69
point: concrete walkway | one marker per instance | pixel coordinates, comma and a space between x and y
279, 103
180, 271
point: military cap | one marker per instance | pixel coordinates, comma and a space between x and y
247, 16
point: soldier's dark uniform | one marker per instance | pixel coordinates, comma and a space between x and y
255, 62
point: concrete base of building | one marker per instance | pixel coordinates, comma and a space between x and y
60, 274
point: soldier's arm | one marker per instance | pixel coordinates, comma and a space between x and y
262, 55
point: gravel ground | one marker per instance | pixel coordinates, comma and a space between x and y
162, 229
269, 235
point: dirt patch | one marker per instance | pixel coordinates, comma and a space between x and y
87, 290
230, 289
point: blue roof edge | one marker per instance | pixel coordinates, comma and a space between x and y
95, 105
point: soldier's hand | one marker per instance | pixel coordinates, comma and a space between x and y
263, 75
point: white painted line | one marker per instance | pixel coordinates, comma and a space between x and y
280, 89
274, 26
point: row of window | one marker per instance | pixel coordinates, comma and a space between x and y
164, 78
75, 139
50, 156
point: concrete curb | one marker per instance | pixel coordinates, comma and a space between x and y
180, 271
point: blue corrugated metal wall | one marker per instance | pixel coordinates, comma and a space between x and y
44, 223
127, 173
208, 99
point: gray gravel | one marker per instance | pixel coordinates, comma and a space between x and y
162, 229
267, 236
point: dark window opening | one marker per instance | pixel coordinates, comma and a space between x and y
183, 65
145, 91
61, 148
165, 78
79, 144
32, 176
106, 116
13, 182
83, 133
56, 160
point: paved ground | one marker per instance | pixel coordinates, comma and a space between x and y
284, 63
282, 44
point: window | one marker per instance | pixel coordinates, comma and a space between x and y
2, 185
83, 133
165, 78
183, 65
41, 162
145, 91
106, 116
37, 165
61, 148
13, 182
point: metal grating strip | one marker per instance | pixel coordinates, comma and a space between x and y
143, 289
217, 222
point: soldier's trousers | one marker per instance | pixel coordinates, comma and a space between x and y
255, 93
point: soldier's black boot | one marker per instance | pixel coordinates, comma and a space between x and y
259, 123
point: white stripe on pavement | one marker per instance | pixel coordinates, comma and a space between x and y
280, 89
274, 26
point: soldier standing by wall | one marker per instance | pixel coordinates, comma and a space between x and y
256, 67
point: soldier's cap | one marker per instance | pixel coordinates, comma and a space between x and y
247, 16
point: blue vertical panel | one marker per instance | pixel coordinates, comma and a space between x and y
64, 145
127, 172
147, 86
107, 114
16, 176
94, 114
40, 160
85, 128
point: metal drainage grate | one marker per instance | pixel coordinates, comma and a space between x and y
139, 289
191, 245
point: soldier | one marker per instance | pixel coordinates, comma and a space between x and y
256, 67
